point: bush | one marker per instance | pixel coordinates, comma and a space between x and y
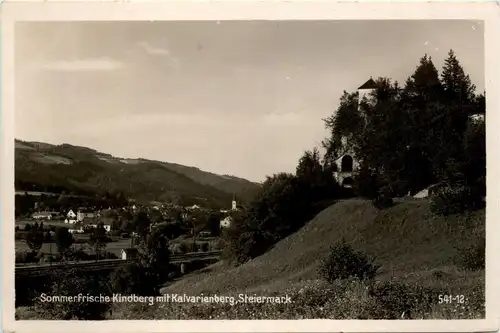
216, 245
26, 257
72, 283
384, 198
344, 262
78, 254
472, 257
396, 299
186, 247
20, 235
449, 199
366, 184
382, 202
131, 279
49, 258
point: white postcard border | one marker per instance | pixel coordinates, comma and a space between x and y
249, 10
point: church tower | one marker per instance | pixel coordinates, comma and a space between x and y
347, 164
365, 90
233, 203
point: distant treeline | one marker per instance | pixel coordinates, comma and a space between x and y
25, 204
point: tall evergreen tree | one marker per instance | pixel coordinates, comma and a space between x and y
424, 84
457, 84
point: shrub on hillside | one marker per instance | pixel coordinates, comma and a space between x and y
449, 199
344, 262
396, 299
382, 202
472, 257
384, 198
131, 279
72, 283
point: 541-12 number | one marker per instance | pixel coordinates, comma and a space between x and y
447, 299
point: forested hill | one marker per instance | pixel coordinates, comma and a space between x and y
80, 170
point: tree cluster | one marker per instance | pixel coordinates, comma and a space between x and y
284, 204
412, 136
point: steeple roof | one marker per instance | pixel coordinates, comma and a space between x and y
370, 84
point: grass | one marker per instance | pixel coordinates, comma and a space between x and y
413, 247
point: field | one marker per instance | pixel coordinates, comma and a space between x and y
48, 248
55, 223
412, 246
115, 246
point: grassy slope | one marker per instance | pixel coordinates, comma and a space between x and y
410, 244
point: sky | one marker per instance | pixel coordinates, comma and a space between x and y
244, 98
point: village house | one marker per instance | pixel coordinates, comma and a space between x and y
44, 215
89, 223
193, 207
226, 222
81, 215
76, 228
70, 217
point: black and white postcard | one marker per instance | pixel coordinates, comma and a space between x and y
250, 166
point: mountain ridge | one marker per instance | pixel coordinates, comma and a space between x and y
71, 168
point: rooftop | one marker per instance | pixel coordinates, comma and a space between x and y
370, 84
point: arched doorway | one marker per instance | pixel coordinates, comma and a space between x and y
348, 182
346, 164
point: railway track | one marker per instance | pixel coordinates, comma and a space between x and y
113, 263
